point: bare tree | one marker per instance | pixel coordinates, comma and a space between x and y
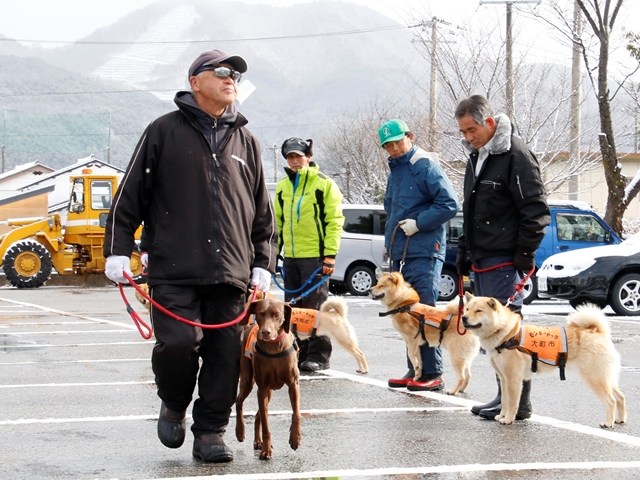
475, 63
595, 44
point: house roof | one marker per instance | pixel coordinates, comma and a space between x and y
24, 195
19, 169
83, 162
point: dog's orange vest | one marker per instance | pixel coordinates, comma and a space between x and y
432, 316
250, 343
547, 344
305, 320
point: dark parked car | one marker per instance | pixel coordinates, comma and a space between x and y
608, 275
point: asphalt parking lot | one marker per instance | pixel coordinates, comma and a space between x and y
79, 402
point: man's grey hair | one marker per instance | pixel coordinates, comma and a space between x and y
477, 106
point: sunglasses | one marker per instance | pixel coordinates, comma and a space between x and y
222, 72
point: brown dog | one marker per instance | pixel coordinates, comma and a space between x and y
585, 345
396, 293
273, 364
330, 320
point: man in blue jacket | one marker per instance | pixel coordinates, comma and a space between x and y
419, 200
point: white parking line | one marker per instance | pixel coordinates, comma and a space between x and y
496, 467
104, 360
554, 422
69, 314
42, 345
287, 413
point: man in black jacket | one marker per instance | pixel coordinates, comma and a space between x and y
196, 181
505, 214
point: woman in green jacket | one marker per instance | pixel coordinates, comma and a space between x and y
309, 218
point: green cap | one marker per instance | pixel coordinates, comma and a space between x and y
392, 131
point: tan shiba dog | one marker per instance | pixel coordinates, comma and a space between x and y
395, 293
145, 288
589, 350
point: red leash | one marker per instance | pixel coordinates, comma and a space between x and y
138, 321
460, 304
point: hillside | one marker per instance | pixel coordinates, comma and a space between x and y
306, 75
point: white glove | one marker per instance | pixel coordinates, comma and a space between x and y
409, 226
144, 259
116, 264
261, 278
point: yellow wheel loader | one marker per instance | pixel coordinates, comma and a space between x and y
35, 246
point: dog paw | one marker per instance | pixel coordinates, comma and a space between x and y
362, 371
450, 392
504, 420
606, 425
240, 432
257, 445
266, 454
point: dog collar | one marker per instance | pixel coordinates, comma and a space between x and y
284, 353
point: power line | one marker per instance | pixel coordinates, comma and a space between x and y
182, 42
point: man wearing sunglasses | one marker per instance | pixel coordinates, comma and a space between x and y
196, 182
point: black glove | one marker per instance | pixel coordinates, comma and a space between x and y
524, 260
463, 266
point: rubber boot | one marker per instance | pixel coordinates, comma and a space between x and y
493, 403
524, 406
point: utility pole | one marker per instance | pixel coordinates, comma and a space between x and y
432, 88
275, 163
575, 128
509, 50
433, 81
4, 135
109, 141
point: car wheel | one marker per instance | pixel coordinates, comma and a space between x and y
359, 281
448, 286
625, 295
530, 290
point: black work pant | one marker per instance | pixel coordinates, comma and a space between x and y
179, 348
296, 272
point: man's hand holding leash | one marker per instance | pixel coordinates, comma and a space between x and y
116, 265
410, 226
261, 278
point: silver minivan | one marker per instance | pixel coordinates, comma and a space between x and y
361, 249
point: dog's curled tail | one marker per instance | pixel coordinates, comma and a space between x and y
336, 304
590, 316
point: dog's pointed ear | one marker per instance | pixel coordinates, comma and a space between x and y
288, 312
467, 297
250, 311
395, 277
492, 304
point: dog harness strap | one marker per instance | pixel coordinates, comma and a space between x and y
534, 362
443, 327
421, 325
562, 361
404, 308
284, 353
